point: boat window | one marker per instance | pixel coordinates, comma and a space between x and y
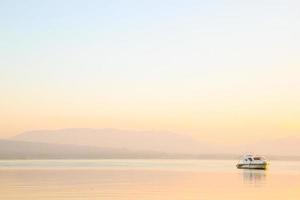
250, 159
257, 158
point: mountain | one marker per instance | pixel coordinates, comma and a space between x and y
34, 150
159, 141
166, 142
31, 150
286, 146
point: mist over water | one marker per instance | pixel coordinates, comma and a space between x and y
146, 179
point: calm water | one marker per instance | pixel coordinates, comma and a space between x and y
146, 180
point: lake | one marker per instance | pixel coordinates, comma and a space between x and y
146, 180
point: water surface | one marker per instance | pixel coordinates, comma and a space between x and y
146, 179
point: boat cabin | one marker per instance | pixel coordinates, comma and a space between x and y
252, 162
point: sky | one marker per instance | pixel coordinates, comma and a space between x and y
219, 70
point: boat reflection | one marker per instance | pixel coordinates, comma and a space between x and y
254, 177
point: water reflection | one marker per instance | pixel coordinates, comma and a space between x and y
144, 180
254, 177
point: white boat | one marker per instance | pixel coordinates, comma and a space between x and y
252, 162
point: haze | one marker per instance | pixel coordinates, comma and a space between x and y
220, 71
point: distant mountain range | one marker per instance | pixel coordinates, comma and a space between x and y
10, 149
167, 142
113, 143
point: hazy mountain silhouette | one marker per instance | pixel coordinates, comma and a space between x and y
112, 138
287, 146
157, 141
27, 150
34, 150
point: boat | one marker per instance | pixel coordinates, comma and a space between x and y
252, 162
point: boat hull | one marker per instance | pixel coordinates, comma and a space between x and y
252, 166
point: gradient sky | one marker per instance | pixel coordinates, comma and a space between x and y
221, 70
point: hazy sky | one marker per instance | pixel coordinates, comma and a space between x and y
222, 70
